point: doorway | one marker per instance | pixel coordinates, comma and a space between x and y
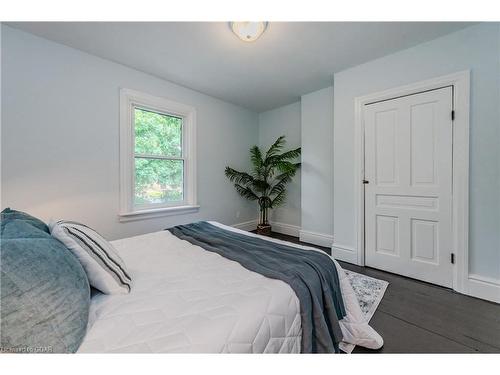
408, 185
459, 83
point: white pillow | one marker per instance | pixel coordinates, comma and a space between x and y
105, 270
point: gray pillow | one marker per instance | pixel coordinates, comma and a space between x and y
45, 294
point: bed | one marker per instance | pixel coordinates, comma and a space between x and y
185, 299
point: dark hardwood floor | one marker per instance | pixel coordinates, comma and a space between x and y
417, 317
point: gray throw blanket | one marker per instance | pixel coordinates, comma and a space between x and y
311, 274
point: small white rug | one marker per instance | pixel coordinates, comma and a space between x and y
369, 292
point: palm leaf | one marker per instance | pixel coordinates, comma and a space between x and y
275, 148
246, 192
279, 199
257, 162
287, 167
292, 154
238, 177
286, 175
256, 156
279, 187
260, 185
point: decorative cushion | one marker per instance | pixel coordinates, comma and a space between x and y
105, 269
45, 294
9, 214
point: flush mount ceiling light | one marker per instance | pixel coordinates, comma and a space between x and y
248, 31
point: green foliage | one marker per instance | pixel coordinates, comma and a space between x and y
267, 182
157, 180
157, 134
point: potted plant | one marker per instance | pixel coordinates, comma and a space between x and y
266, 183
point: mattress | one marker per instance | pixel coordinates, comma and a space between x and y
185, 299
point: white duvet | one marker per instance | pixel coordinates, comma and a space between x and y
188, 300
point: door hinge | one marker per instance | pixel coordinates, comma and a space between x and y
452, 258
452, 115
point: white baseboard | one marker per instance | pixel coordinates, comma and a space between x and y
247, 225
483, 287
283, 228
288, 229
314, 238
344, 253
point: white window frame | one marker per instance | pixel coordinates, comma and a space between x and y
129, 100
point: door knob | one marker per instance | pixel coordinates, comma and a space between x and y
366, 182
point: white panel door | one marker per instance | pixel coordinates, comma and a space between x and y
408, 166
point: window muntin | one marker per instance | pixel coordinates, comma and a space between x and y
159, 165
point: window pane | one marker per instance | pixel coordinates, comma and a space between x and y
157, 134
158, 181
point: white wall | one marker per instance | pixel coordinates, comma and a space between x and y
476, 48
272, 124
60, 138
317, 167
308, 123
60, 110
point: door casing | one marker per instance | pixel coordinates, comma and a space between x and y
460, 184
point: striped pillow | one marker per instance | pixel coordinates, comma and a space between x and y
105, 270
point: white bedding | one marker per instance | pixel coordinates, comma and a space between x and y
189, 300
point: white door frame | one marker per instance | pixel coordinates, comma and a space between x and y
460, 190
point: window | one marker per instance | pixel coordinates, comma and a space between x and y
159, 162
157, 157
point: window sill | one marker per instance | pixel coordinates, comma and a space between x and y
157, 212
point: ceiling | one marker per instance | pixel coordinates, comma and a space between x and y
289, 60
